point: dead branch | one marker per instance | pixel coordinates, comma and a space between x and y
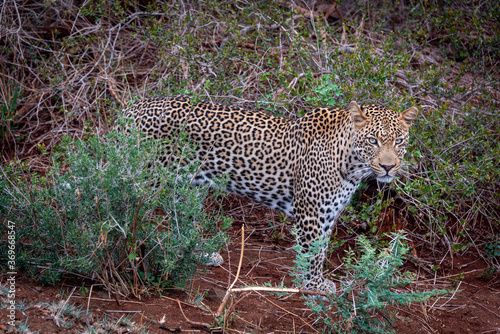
228, 293
194, 323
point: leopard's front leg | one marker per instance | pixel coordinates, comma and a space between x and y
317, 203
313, 245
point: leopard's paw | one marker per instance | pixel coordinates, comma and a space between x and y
215, 259
320, 284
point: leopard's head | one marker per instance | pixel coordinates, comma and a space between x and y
381, 137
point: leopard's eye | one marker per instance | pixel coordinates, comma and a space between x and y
372, 141
398, 141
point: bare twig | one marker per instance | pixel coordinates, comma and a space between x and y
228, 292
283, 290
194, 323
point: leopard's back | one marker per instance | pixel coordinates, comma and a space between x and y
252, 147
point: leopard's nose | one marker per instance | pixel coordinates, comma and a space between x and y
387, 167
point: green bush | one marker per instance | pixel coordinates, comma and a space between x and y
107, 210
371, 283
453, 179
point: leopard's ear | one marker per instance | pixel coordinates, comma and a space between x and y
408, 116
358, 118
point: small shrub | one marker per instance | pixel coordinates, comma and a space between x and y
370, 284
62, 312
108, 210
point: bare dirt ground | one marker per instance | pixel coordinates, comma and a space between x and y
268, 258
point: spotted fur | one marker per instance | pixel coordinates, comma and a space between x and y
308, 168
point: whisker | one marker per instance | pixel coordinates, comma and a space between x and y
359, 174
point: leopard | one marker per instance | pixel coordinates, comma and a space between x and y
307, 167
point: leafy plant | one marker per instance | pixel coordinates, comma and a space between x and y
108, 210
493, 249
370, 284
